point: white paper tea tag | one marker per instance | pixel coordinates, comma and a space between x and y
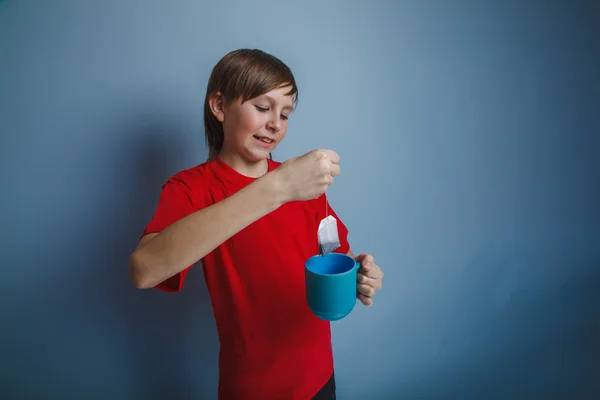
328, 235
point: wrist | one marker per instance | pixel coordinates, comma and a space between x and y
274, 185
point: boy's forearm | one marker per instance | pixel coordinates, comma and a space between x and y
188, 240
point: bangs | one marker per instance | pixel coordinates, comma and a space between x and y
254, 73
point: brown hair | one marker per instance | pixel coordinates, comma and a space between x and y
245, 74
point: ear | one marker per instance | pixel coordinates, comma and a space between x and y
217, 106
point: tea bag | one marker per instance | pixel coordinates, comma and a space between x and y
328, 234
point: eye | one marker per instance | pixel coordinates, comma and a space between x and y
261, 109
284, 117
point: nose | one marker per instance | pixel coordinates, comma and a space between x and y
274, 125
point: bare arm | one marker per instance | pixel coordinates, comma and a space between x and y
159, 256
185, 242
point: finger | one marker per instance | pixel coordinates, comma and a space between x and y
367, 262
367, 301
366, 290
335, 170
375, 272
365, 280
360, 257
332, 156
372, 282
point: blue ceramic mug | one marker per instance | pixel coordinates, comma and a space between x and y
331, 285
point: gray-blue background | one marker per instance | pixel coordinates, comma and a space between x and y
469, 137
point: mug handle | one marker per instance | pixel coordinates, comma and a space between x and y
357, 267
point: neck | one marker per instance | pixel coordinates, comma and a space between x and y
250, 168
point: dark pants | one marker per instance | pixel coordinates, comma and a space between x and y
327, 392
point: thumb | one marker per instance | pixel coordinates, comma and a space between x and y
362, 258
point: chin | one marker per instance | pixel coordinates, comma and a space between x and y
258, 155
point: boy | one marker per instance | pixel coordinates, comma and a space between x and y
252, 222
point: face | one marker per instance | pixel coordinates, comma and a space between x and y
253, 129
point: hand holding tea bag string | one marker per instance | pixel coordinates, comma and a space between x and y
319, 168
308, 176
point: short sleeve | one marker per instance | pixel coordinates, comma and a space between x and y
176, 202
324, 207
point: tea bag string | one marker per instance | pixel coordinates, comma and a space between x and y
326, 206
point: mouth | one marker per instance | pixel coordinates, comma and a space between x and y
263, 139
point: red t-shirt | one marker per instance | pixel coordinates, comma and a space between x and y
271, 345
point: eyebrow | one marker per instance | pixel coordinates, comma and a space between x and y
272, 101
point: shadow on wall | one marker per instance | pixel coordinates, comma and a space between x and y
111, 338
172, 339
